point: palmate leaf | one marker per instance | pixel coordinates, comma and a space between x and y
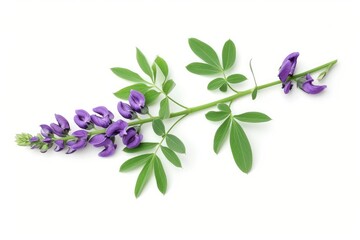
158, 127
205, 52
160, 175
171, 156
143, 63
175, 144
161, 63
144, 176
224, 87
221, 134
216, 83
135, 162
216, 116
151, 96
224, 107
125, 92
202, 69
240, 147
236, 78
142, 147
127, 74
228, 54
252, 117
168, 86
164, 111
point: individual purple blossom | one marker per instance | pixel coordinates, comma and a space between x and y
132, 139
101, 140
104, 120
62, 128
46, 130
83, 119
126, 111
59, 145
79, 142
118, 127
288, 66
137, 102
287, 87
307, 86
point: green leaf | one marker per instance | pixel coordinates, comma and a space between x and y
175, 144
221, 134
151, 96
236, 78
164, 111
168, 86
240, 147
144, 176
127, 74
216, 116
160, 175
205, 52
135, 162
143, 63
125, 92
154, 70
202, 69
158, 127
163, 66
224, 87
171, 156
142, 147
224, 107
252, 117
216, 83
228, 54
254, 93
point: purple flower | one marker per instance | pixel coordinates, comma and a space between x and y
288, 66
105, 119
126, 111
34, 139
118, 127
101, 140
46, 130
132, 139
137, 102
59, 145
307, 86
62, 128
83, 119
79, 142
287, 87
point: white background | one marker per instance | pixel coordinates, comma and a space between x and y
55, 57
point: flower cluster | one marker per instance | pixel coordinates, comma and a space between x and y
98, 129
286, 73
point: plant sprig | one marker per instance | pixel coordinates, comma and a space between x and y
154, 85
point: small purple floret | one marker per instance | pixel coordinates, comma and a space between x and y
132, 139
307, 86
79, 142
118, 127
59, 145
137, 102
104, 120
83, 119
62, 128
288, 66
126, 111
46, 130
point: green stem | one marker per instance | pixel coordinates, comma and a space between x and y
167, 132
214, 103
